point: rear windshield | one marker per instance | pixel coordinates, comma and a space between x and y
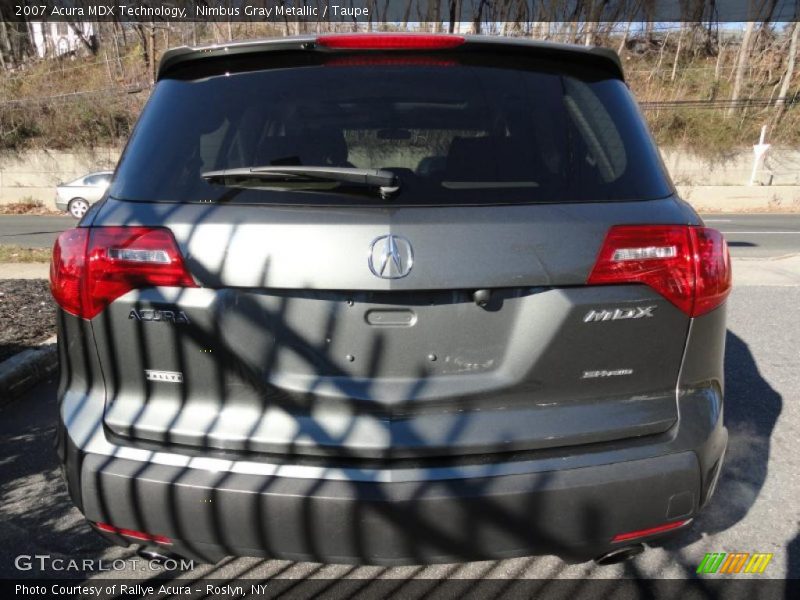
451, 130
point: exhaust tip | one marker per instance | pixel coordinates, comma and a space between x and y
619, 555
153, 555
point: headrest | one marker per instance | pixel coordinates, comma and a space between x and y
488, 158
314, 147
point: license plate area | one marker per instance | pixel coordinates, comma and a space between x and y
374, 334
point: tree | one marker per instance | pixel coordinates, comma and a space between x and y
92, 41
477, 16
741, 65
16, 45
787, 76
454, 15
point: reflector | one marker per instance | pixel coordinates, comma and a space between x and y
132, 533
640, 533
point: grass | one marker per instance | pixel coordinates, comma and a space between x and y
714, 135
710, 131
17, 254
69, 119
26, 206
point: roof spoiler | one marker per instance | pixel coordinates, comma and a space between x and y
603, 58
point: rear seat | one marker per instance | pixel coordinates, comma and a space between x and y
323, 147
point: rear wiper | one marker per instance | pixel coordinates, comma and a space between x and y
386, 181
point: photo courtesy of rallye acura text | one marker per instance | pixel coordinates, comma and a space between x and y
391, 299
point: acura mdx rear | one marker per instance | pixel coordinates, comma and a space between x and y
391, 299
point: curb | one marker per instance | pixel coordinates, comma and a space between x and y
24, 270
742, 198
23, 371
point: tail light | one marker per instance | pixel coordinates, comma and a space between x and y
389, 41
689, 266
93, 267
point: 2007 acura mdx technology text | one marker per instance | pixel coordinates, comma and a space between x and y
391, 299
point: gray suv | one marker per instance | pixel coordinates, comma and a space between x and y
391, 299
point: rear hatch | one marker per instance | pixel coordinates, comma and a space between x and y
449, 317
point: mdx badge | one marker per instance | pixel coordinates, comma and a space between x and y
178, 317
618, 314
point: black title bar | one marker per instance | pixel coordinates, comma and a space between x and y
401, 12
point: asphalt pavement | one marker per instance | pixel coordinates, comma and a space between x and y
755, 508
32, 231
759, 235
748, 235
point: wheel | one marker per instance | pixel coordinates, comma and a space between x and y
77, 207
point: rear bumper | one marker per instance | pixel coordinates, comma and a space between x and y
570, 504
571, 513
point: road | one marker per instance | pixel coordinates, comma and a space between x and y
759, 235
32, 231
755, 508
756, 235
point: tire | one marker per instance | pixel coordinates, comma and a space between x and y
77, 207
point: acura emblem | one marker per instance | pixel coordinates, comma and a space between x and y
390, 257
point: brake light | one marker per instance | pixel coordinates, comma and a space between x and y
93, 267
382, 60
390, 41
640, 533
689, 266
132, 533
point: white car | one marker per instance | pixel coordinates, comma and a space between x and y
77, 196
